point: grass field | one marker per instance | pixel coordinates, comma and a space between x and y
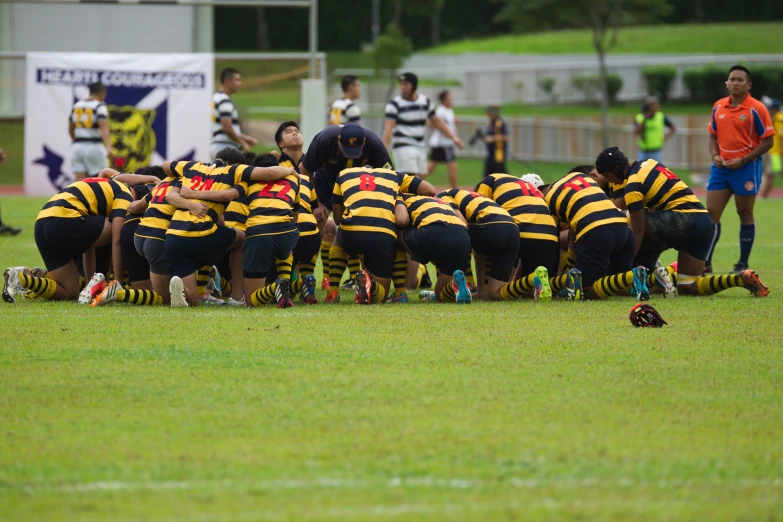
504, 411
745, 38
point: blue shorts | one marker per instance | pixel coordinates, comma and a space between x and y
744, 181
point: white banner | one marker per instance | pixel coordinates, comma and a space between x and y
159, 109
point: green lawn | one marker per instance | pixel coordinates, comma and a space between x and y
739, 38
505, 411
12, 142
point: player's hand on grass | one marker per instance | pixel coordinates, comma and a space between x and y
718, 161
198, 209
733, 164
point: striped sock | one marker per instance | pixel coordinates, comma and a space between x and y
518, 288
613, 285
225, 288
420, 274
307, 267
469, 276
354, 265
567, 261
338, 260
263, 296
398, 272
284, 267
138, 297
202, 277
40, 286
296, 287
558, 283
325, 248
447, 294
672, 275
377, 293
709, 285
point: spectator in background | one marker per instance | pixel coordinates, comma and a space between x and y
740, 133
496, 139
442, 147
225, 118
345, 109
654, 129
774, 162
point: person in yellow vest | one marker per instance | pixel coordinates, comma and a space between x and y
774, 163
653, 128
496, 140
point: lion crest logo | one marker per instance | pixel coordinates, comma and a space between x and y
132, 136
351, 142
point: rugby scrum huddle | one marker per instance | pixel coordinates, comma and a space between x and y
247, 230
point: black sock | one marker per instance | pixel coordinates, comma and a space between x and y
715, 239
747, 236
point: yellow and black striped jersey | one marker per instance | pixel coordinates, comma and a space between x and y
205, 176
615, 190
426, 210
524, 202
272, 205
306, 222
158, 215
576, 199
651, 185
369, 196
89, 197
236, 213
477, 208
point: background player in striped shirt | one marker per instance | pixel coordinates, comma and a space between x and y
404, 128
89, 131
740, 132
225, 118
345, 110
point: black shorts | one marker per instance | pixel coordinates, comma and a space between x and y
306, 248
260, 252
442, 154
187, 254
493, 167
689, 232
539, 252
378, 249
59, 240
136, 265
604, 250
444, 245
153, 251
500, 243
323, 183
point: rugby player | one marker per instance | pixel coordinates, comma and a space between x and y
665, 214
345, 110
89, 130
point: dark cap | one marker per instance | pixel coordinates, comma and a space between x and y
352, 140
410, 77
612, 161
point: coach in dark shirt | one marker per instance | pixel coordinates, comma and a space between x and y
337, 148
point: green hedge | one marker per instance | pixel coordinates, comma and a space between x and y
659, 81
590, 86
708, 83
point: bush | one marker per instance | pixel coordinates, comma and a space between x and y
547, 84
659, 81
706, 84
767, 81
590, 86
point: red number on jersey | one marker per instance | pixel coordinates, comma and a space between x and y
267, 192
475, 194
578, 184
202, 184
95, 180
528, 189
159, 193
666, 172
366, 182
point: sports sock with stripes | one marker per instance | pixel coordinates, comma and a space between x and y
225, 288
447, 294
338, 260
40, 286
325, 247
284, 267
399, 271
296, 287
306, 268
263, 296
709, 285
138, 297
377, 293
518, 288
558, 283
202, 277
613, 285
354, 265
469, 275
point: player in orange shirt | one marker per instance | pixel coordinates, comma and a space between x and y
740, 133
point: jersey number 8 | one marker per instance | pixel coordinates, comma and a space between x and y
366, 182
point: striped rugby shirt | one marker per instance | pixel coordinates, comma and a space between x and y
410, 118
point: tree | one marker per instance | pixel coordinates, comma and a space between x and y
389, 52
262, 30
604, 17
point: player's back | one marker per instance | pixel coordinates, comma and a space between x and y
89, 197
524, 202
369, 196
651, 185
426, 210
477, 208
204, 176
343, 111
157, 217
272, 205
85, 116
306, 222
576, 199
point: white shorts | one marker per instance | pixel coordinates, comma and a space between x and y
217, 147
89, 157
410, 160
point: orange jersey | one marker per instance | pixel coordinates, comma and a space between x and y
739, 129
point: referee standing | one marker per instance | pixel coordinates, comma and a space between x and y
740, 133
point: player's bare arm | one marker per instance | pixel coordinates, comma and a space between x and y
197, 208
426, 189
337, 211
138, 206
116, 249
271, 173
388, 129
103, 125
136, 179
441, 125
228, 130
217, 196
638, 225
717, 159
401, 217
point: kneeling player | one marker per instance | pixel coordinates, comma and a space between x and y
87, 214
437, 234
665, 214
